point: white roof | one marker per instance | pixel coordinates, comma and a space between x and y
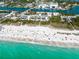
1, 2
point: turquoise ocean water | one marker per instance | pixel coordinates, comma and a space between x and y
12, 50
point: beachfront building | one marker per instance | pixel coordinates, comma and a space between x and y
38, 16
12, 14
30, 5
2, 4
42, 6
53, 5
68, 18
48, 5
34, 17
2, 15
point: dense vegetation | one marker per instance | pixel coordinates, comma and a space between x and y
76, 22
23, 22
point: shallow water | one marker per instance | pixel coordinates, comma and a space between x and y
11, 50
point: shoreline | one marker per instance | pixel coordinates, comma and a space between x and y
8, 34
41, 42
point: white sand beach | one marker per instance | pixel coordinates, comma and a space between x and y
40, 35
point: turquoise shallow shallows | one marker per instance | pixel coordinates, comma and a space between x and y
12, 50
